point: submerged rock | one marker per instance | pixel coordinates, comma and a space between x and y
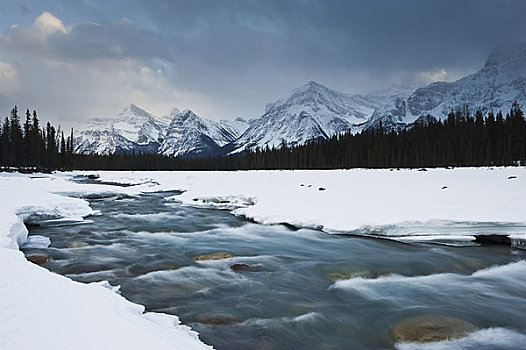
168, 267
38, 259
242, 267
339, 276
345, 275
213, 256
430, 328
76, 268
91, 279
78, 245
162, 230
217, 319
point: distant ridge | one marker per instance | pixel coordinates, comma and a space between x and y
313, 111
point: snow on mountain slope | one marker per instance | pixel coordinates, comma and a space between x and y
96, 139
501, 81
495, 87
236, 127
189, 135
132, 129
312, 111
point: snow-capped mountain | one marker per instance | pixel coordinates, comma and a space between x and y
189, 135
312, 111
501, 81
179, 134
133, 129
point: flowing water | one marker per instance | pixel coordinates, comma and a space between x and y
299, 289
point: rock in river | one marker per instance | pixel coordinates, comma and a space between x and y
217, 319
242, 267
213, 256
38, 259
430, 328
78, 245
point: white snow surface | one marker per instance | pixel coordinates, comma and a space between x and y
402, 204
40, 309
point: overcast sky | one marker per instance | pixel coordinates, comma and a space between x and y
72, 60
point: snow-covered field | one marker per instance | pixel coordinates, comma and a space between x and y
45, 310
40, 309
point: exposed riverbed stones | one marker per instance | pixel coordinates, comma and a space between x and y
212, 256
38, 259
345, 275
430, 328
217, 319
78, 245
242, 267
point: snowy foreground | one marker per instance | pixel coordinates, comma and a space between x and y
42, 310
47, 311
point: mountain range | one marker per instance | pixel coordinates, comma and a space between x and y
312, 111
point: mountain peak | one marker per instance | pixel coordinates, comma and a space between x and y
509, 57
188, 113
312, 85
186, 116
175, 111
133, 108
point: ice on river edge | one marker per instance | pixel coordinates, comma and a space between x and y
436, 205
40, 309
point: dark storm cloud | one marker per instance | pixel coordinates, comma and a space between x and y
228, 58
377, 34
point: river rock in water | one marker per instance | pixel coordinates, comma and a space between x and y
78, 245
217, 319
213, 256
242, 267
430, 328
345, 275
38, 259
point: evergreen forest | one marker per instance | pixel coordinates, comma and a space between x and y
462, 139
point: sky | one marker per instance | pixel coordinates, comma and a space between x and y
72, 60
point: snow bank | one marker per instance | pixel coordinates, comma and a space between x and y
405, 204
39, 309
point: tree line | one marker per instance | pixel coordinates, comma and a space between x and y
462, 139
27, 146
